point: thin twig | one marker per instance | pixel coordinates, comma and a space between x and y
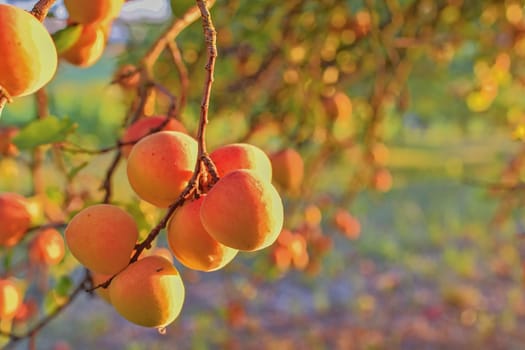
183, 75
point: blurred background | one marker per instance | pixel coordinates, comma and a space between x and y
406, 230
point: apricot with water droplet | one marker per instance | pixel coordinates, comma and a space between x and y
149, 292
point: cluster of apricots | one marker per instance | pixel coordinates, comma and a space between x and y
29, 57
46, 248
304, 246
241, 211
92, 21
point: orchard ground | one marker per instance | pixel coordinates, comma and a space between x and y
427, 271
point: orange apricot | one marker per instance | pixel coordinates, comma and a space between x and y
47, 247
127, 77
241, 156
191, 244
89, 47
382, 180
102, 238
81, 11
163, 252
288, 169
7, 148
14, 218
144, 126
160, 165
243, 211
10, 299
28, 55
99, 278
347, 224
149, 292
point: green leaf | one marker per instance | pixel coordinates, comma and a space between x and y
74, 171
63, 286
44, 131
67, 37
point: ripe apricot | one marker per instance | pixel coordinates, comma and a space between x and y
99, 278
28, 55
243, 211
81, 11
127, 77
14, 218
288, 169
89, 47
144, 126
10, 299
347, 224
191, 244
160, 165
241, 156
163, 252
102, 238
382, 180
47, 247
149, 292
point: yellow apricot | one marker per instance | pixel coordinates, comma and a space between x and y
143, 127
14, 218
149, 292
10, 299
81, 11
47, 247
243, 211
191, 244
160, 165
288, 169
89, 47
241, 156
28, 57
102, 238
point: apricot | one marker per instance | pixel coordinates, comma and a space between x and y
99, 278
160, 165
347, 224
243, 211
14, 218
191, 244
149, 292
29, 57
127, 77
10, 299
382, 180
288, 169
102, 238
47, 247
89, 47
144, 126
241, 156
81, 11
163, 252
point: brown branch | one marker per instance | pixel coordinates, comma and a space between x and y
106, 185
170, 34
82, 285
183, 75
192, 188
41, 9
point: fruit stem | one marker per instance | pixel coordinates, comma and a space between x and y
41, 9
